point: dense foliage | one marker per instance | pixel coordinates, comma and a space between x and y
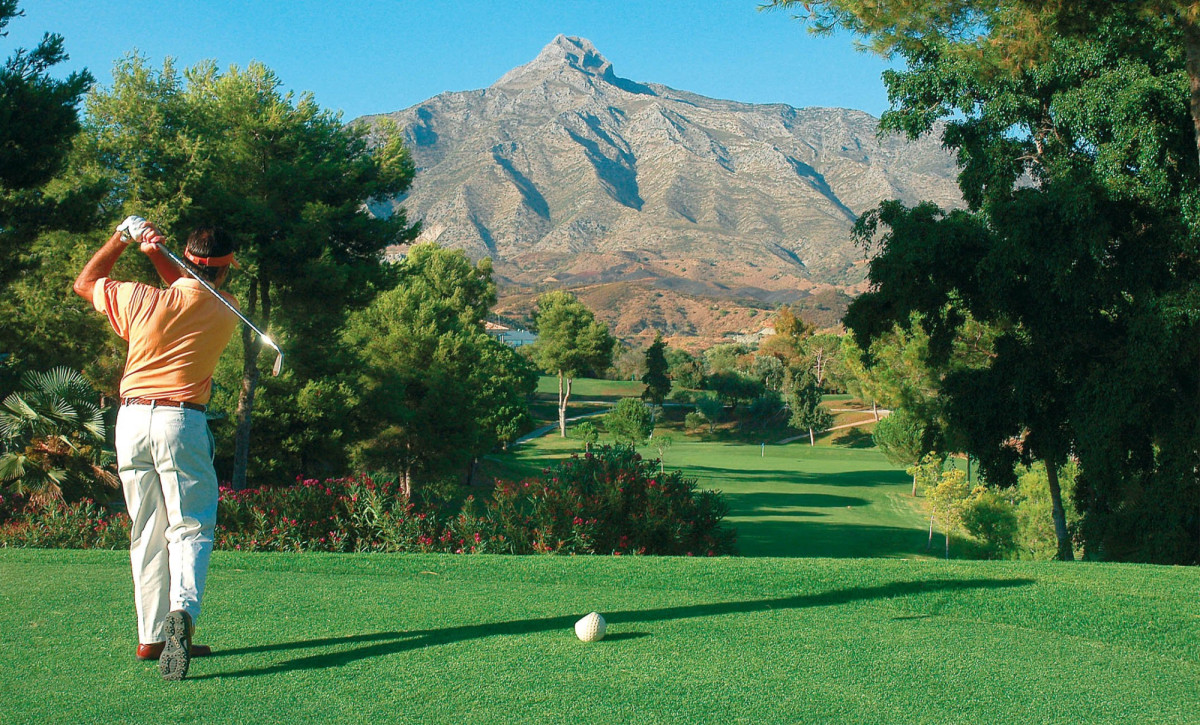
437, 391
1079, 247
658, 382
39, 116
53, 442
630, 421
610, 502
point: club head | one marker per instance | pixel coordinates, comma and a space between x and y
278, 366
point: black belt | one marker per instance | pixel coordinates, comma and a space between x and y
165, 403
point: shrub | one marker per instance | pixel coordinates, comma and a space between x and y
342, 514
694, 420
81, 524
611, 501
765, 408
587, 433
992, 520
683, 396
711, 409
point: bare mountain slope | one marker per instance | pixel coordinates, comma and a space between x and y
568, 175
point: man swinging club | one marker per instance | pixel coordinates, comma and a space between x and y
164, 447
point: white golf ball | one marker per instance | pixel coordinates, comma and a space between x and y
591, 628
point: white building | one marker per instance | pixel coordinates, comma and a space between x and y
513, 337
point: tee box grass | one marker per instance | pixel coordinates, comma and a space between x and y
486, 639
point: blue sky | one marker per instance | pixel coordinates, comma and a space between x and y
376, 56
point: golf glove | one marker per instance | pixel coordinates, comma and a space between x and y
133, 228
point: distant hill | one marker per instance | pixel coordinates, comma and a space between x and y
661, 206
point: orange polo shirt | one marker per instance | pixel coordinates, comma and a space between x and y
176, 335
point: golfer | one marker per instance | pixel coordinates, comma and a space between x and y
164, 447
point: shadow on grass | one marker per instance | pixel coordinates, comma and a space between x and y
854, 438
796, 537
381, 644
863, 479
764, 502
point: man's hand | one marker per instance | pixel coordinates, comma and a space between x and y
151, 238
132, 227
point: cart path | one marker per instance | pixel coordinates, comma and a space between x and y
539, 432
883, 413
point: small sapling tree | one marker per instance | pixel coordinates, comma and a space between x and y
804, 398
571, 342
901, 437
630, 421
587, 433
711, 408
662, 443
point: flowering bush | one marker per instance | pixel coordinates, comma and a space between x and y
82, 524
608, 502
343, 514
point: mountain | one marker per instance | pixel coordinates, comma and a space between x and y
568, 175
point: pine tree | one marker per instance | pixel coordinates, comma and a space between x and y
658, 383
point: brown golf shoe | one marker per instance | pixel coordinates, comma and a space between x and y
154, 651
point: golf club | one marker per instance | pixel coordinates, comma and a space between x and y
137, 225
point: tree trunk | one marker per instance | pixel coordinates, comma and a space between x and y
929, 544
406, 482
251, 346
914, 493
812, 437
1191, 44
875, 410
947, 543
563, 397
1065, 552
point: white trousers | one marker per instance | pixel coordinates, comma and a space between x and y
165, 457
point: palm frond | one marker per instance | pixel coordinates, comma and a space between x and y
62, 410
93, 422
12, 466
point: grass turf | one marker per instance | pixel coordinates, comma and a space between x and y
798, 500
836, 499
416, 638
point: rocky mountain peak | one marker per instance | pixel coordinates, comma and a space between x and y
569, 54
577, 52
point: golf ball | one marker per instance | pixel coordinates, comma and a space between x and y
591, 628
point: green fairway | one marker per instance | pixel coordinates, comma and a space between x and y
591, 388
413, 638
797, 500
832, 500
